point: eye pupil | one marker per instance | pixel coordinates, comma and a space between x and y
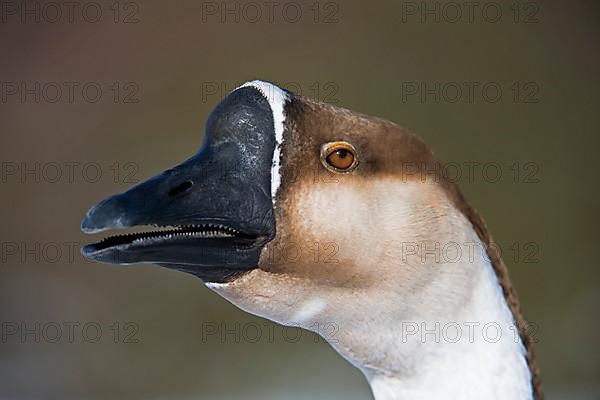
342, 153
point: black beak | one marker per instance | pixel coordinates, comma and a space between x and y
210, 215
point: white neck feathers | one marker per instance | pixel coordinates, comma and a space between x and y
476, 356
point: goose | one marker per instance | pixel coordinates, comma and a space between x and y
385, 249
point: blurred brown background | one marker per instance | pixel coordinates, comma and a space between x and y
97, 95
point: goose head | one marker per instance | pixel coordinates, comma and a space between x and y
341, 223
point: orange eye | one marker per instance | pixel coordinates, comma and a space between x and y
341, 159
339, 156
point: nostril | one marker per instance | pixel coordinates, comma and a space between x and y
182, 187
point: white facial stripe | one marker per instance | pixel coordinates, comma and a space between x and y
277, 99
